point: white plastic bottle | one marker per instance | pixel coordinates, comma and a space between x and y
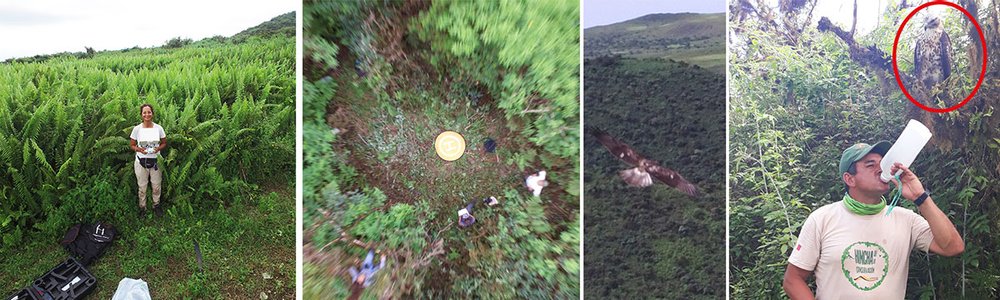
905, 149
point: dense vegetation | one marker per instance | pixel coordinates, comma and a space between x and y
654, 242
693, 38
799, 96
381, 81
228, 111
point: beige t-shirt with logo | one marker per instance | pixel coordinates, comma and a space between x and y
860, 257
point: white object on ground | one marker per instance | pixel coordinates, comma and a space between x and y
463, 212
533, 182
132, 289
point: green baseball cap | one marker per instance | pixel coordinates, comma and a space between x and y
854, 153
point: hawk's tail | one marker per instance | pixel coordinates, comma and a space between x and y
636, 177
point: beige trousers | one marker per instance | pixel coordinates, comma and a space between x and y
144, 177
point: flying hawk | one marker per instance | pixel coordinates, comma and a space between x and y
932, 54
640, 175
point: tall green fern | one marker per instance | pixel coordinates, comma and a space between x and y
65, 121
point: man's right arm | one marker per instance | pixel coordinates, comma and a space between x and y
795, 283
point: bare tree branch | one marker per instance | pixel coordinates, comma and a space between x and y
869, 56
854, 24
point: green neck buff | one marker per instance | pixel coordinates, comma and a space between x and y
863, 208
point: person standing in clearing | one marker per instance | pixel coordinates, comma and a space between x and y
147, 140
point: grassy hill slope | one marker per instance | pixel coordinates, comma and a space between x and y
693, 38
280, 25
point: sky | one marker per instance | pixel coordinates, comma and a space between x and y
841, 13
869, 13
604, 12
29, 28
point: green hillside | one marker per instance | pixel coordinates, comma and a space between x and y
654, 242
281, 25
694, 38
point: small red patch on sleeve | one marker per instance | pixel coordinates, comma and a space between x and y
799, 247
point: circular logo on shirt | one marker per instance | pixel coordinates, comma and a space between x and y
865, 265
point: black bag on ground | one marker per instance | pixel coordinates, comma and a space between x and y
490, 145
87, 242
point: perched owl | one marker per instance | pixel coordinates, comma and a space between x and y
932, 54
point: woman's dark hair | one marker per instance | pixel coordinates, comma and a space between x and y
145, 106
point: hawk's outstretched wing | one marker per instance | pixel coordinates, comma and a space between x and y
619, 149
672, 178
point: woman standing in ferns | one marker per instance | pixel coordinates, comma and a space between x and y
148, 139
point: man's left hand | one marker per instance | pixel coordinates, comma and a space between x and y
912, 188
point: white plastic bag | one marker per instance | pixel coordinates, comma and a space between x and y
131, 289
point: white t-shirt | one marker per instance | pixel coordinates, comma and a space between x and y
147, 138
533, 183
857, 256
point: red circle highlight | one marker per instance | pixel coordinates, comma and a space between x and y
895, 67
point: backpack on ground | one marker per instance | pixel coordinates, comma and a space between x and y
87, 242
